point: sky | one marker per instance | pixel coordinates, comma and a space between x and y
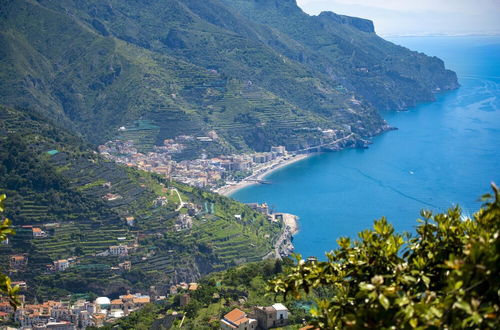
417, 17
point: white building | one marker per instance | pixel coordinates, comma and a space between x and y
118, 250
280, 150
61, 265
281, 311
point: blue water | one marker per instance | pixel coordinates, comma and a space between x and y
444, 153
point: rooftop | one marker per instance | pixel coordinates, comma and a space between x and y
280, 307
234, 315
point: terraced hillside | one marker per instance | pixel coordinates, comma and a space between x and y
259, 73
82, 204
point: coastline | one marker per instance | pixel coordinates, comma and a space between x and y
284, 244
291, 223
227, 190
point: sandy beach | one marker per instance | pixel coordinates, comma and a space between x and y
261, 174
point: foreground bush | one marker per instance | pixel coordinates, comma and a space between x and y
444, 276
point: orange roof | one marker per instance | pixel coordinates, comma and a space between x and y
128, 296
242, 320
116, 302
193, 286
3, 314
37, 230
18, 257
235, 315
143, 300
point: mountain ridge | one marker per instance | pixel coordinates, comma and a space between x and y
257, 72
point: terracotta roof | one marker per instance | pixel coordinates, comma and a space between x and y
242, 320
37, 230
128, 296
116, 302
229, 324
193, 286
234, 315
18, 257
3, 314
143, 300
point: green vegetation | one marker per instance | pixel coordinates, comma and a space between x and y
445, 276
259, 73
64, 194
239, 287
5, 282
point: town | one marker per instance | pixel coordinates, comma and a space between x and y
216, 173
72, 314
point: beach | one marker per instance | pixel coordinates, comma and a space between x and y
261, 173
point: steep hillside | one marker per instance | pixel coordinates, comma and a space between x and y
259, 73
81, 203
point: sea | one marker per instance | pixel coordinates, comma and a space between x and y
444, 153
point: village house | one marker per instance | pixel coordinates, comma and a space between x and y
84, 319
261, 208
140, 301
193, 286
18, 261
271, 316
22, 284
130, 220
117, 304
4, 316
118, 250
126, 265
109, 197
237, 319
5, 307
280, 150
98, 320
38, 233
61, 265
183, 222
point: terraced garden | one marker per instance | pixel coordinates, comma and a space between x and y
81, 202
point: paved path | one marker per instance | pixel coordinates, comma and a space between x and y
181, 203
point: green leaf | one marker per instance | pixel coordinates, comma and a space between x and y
384, 301
463, 305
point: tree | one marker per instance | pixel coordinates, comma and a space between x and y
5, 283
444, 276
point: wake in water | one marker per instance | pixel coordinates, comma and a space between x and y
389, 187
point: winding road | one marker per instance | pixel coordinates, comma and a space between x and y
181, 203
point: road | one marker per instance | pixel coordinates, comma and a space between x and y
325, 144
181, 203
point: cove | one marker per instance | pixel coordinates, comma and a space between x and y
444, 153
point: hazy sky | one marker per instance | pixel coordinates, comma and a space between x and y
417, 17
